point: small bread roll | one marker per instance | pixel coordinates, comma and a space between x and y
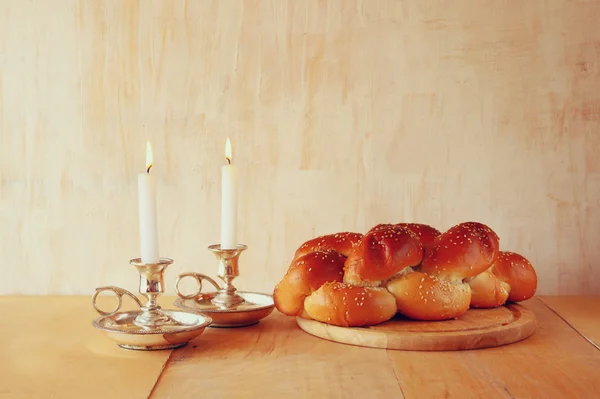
382, 253
339, 242
305, 275
465, 250
518, 273
487, 291
423, 297
350, 306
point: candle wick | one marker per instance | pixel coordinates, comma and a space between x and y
228, 160
148, 170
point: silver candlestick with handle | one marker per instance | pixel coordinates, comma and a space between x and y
150, 327
226, 306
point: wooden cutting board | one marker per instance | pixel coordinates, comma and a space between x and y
477, 328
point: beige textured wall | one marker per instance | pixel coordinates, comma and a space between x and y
343, 114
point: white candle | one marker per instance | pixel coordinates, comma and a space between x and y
229, 204
147, 212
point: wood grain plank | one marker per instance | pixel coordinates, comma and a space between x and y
555, 362
580, 312
50, 349
275, 359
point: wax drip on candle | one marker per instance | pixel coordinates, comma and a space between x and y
228, 155
149, 157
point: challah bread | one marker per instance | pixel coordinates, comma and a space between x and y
487, 291
350, 306
382, 253
306, 274
516, 271
420, 296
463, 251
350, 279
339, 242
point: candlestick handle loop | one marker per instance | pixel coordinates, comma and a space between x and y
119, 292
198, 277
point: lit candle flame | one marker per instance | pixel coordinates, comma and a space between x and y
228, 152
149, 157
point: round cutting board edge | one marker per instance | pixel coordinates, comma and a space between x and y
390, 335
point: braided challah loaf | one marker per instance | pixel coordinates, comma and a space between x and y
351, 279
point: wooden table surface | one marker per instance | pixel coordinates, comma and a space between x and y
50, 350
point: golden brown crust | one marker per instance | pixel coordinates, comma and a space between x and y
518, 273
465, 250
339, 242
382, 253
487, 291
423, 297
350, 306
305, 275
426, 233
381, 226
